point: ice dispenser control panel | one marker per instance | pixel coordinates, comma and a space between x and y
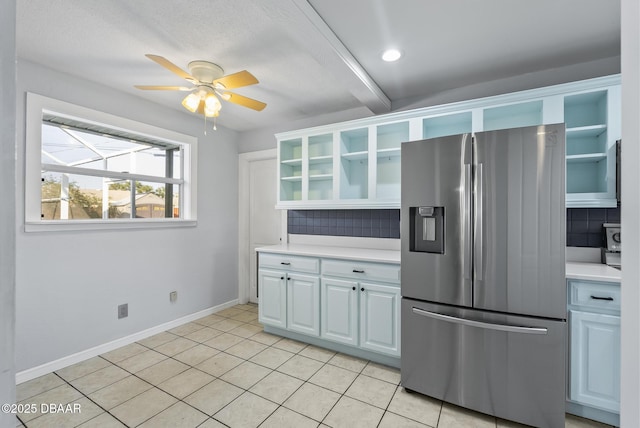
427, 229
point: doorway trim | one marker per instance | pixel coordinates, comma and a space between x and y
244, 254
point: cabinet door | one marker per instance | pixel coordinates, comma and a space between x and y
339, 311
380, 318
272, 309
303, 304
595, 360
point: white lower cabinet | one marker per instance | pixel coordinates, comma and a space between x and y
339, 311
594, 350
289, 292
595, 359
272, 291
343, 301
361, 313
380, 318
303, 304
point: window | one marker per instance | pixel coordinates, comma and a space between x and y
87, 169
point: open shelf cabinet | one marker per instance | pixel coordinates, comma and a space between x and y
356, 164
592, 127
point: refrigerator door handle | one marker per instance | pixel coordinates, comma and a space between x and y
486, 325
467, 234
478, 266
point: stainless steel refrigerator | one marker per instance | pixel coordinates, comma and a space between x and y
483, 272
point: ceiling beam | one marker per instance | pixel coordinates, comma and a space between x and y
308, 28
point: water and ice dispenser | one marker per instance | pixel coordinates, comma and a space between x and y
427, 229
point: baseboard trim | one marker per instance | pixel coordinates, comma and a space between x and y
60, 363
376, 357
604, 416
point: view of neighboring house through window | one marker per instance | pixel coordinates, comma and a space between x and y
86, 169
101, 175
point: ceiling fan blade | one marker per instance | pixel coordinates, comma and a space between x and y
243, 101
236, 80
171, 67
162, 88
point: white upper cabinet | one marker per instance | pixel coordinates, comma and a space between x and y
593, 125
356, 164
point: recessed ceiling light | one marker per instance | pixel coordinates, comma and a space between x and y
391, 55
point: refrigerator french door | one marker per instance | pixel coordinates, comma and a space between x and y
483, 280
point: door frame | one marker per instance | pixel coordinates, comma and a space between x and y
244, 250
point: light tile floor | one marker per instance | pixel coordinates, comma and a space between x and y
223, 370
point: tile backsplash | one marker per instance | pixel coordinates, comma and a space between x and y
360, 223
584, 225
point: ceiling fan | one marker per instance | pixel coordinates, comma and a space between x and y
209, 83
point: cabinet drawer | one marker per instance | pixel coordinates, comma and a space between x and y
595, 295
289, 263
361, 270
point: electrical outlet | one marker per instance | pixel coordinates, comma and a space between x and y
173, 296
123, 310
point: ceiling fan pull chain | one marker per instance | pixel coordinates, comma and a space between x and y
205, 124
214, 124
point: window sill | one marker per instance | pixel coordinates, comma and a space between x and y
74, 225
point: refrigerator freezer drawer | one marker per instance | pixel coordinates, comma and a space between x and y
508, 366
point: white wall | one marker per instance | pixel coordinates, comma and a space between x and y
630, 336
7, 212
69, 284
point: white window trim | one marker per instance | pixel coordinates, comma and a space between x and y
37, 104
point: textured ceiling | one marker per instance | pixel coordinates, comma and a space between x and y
462, 42
318, 57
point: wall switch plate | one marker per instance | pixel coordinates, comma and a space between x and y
173, 296
123, 310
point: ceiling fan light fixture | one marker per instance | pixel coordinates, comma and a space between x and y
212, 104
391, 55
209, 83
191, 102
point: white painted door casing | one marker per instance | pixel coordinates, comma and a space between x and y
264, 219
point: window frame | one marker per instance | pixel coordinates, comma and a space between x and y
38, 105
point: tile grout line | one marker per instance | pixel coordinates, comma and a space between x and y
338, 400
190, 366
272, 370
132, 374
153, 385
214, 377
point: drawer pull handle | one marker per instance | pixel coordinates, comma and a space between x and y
358, 271
602, 298
285, 263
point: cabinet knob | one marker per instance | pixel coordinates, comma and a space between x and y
353, 288
362, 289
282, 277
288, 278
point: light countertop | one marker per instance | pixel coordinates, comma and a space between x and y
362, 254
592, 272
574, 270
